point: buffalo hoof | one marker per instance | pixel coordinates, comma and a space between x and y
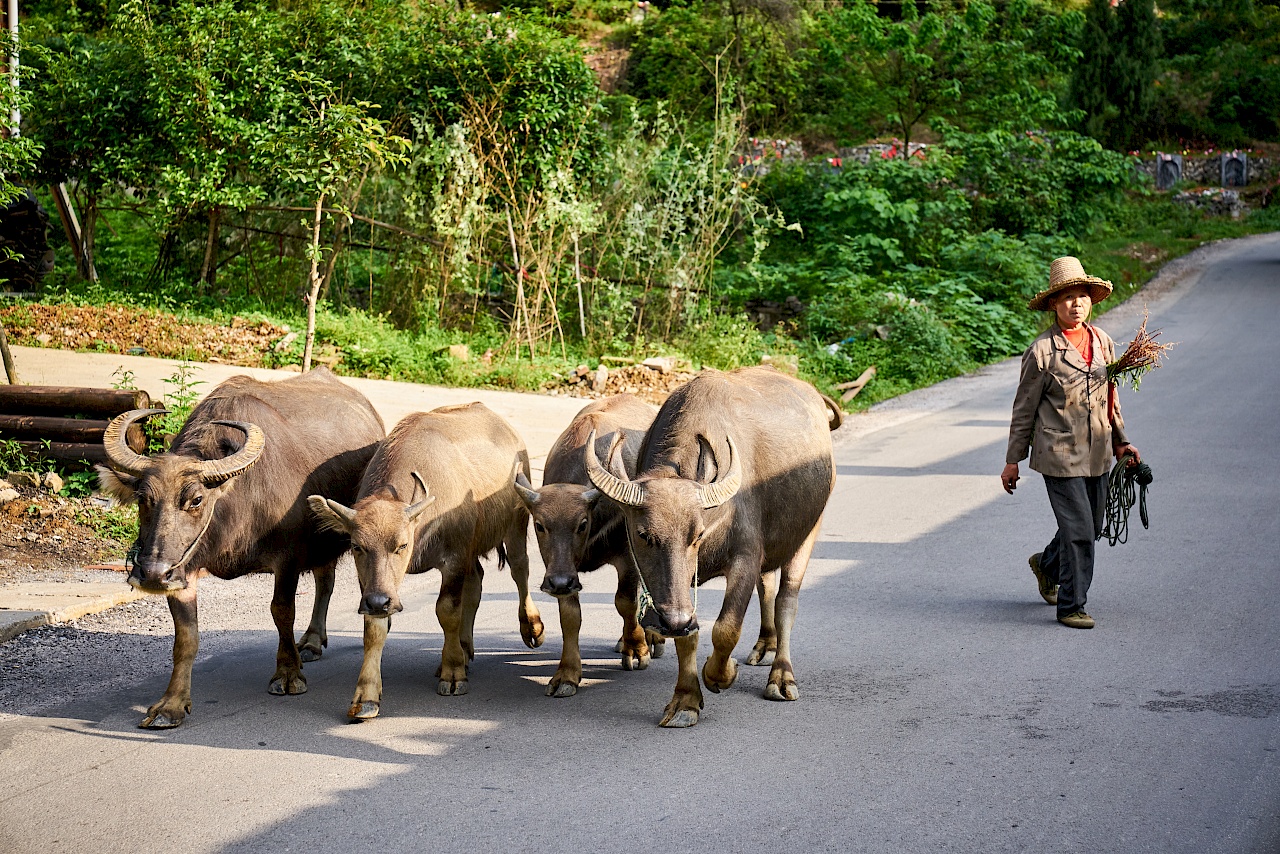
786, 691
532, 632
718, 682
632, 660
762, 653
617, 647
294, 683
657, 644
452, 689
160, 718
311, 647
366, 711
561, 689
680, 719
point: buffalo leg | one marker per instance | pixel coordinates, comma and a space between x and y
720, 669
170, 710
453, 658
288, 678
516, 544
686, 704
633, 645
472, 589
767, 645
569, 674
782, 679
316, 637
367, 701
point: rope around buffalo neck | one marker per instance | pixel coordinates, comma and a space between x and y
1124, 485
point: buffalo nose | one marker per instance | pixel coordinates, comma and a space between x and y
375, 604
152, 574
669, 622
561, 585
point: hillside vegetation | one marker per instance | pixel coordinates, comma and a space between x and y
422, 175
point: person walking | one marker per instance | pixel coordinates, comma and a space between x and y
1068, 415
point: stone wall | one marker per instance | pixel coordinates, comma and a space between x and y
1206, 169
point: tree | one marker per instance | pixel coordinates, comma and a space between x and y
1134, 67
1091, 80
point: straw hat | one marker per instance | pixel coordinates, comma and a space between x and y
1068, 272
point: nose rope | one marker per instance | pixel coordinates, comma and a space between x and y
131, 556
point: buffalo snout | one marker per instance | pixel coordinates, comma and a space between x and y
670, 622
561, 585
379, 605
156, 577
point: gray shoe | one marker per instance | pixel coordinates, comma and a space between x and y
1077, 620
1048, 589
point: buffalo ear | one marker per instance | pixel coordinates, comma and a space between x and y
330, 515
122, 487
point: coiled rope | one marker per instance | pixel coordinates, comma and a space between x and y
1125, 485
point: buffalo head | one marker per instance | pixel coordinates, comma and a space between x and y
562, 522
382, 529
175, 492
666, 522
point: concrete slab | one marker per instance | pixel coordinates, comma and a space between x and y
14, 623
26, 605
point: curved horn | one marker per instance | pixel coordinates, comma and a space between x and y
723, 488
119, 454
414, 510
525, 490
622, 491
214, 472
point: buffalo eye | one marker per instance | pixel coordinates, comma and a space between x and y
645, 534
582, 526
539, 527
357, 549
195, 501
400, 548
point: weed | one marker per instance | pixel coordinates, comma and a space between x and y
118, 522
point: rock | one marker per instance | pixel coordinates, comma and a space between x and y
297, 369
581, 371
460, 352
53, 481
44, 338
600, 380
664, 364
7, 495
4, 484
284, 342
25, 478
46, 512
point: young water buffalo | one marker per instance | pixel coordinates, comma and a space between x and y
579, 533
733, 479
229, 498
438, 494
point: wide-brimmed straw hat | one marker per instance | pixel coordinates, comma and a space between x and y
1068, 272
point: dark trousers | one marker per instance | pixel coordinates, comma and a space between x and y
1079, 503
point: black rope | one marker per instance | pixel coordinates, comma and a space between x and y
1126, 484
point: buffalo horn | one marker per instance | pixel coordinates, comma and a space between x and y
723, 488
413, 510
214, 472
526, 490
622, 491
119, 454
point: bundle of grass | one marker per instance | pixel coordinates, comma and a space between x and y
1142, 356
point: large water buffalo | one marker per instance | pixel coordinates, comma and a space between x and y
230, 498
438, 494
734, 476
579, 533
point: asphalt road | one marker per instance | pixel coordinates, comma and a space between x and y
941, 709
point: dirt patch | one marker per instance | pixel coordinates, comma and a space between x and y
652, 384
45, 537
117, 329
1147, 253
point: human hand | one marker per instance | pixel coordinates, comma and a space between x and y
1121, 450
1009, 478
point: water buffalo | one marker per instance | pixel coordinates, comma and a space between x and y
229, 498
579, 533
734, 476
437, 494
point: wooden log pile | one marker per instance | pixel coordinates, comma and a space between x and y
66, 424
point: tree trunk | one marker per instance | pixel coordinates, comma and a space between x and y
314, 292
10, 370
209, 270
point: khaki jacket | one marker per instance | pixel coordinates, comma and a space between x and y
1060, 410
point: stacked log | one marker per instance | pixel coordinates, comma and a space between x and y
66, 424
